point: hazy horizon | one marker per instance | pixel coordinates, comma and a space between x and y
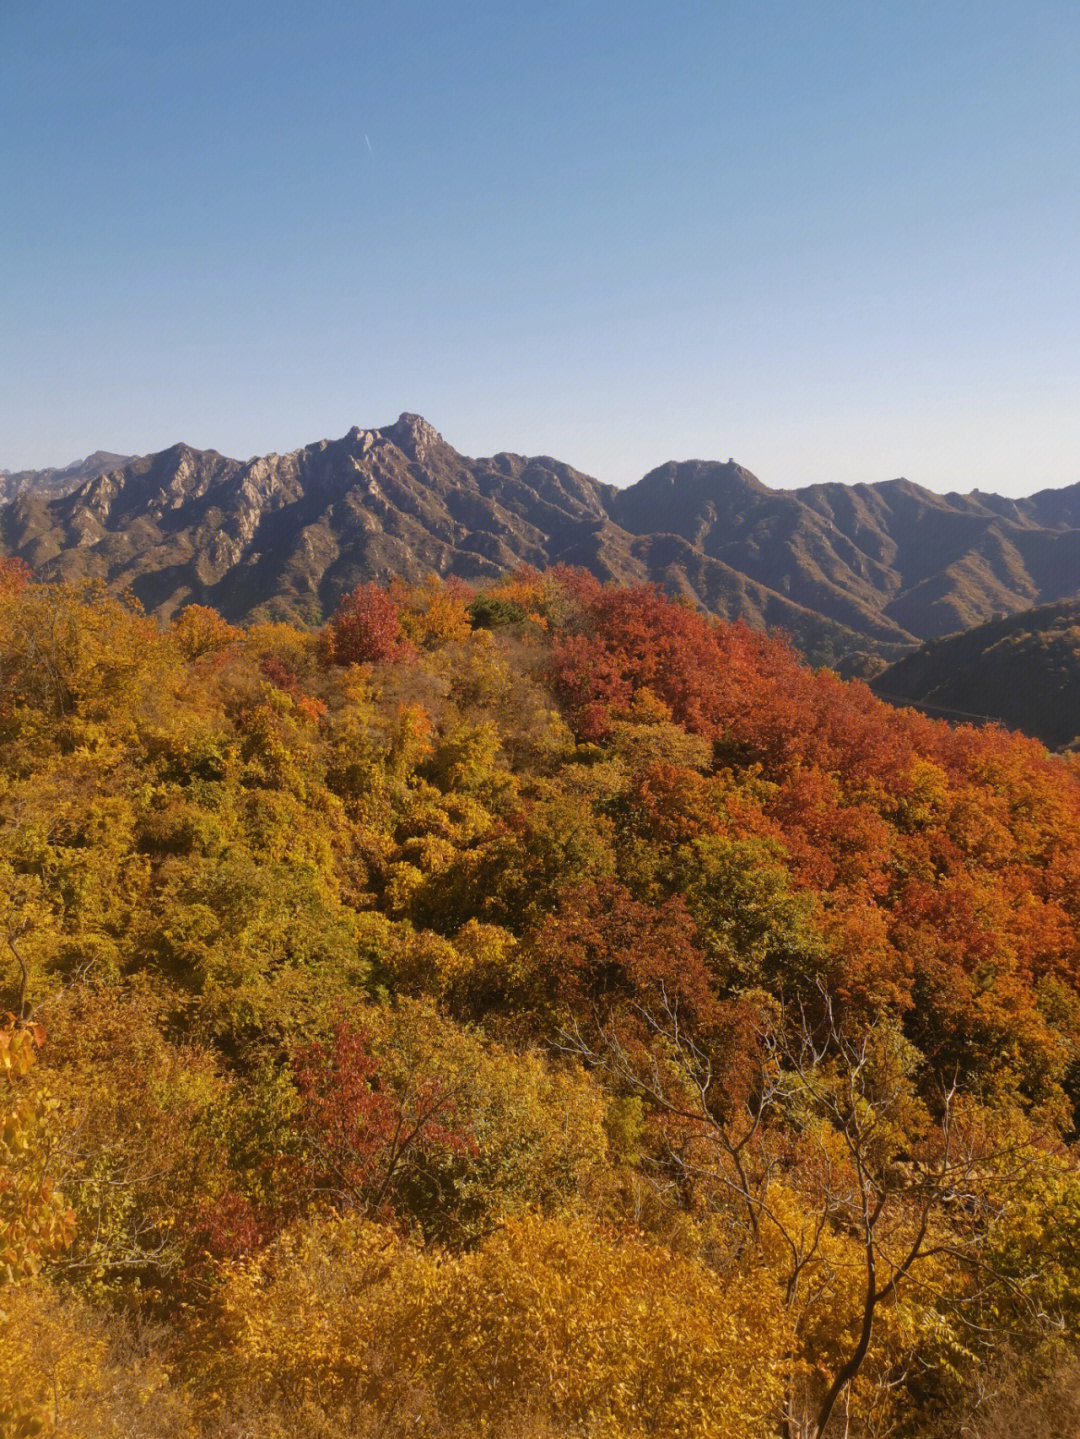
835, 242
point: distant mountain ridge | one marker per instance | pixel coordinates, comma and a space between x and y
870, 569
55, 482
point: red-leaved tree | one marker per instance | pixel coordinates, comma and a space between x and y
366, 1138
365, 629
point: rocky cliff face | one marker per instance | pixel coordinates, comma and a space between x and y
871, 568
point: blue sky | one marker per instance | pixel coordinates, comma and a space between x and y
834, 241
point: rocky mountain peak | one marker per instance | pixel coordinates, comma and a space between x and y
413, 436
100, 461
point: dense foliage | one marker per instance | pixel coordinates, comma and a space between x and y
543, 1012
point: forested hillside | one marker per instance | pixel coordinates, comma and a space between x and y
533, 1013
1023, 671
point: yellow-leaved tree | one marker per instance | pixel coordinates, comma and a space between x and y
34, 1221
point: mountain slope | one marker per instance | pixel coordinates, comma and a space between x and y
891, 561
869, 569
1023, 671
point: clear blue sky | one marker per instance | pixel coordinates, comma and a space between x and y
836, 241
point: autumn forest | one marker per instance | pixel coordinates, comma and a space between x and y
543, 1012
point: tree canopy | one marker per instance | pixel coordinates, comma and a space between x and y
546, 1011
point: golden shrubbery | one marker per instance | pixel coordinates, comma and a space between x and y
547, 1319
546, 1014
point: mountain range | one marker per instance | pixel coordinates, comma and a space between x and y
862, 573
